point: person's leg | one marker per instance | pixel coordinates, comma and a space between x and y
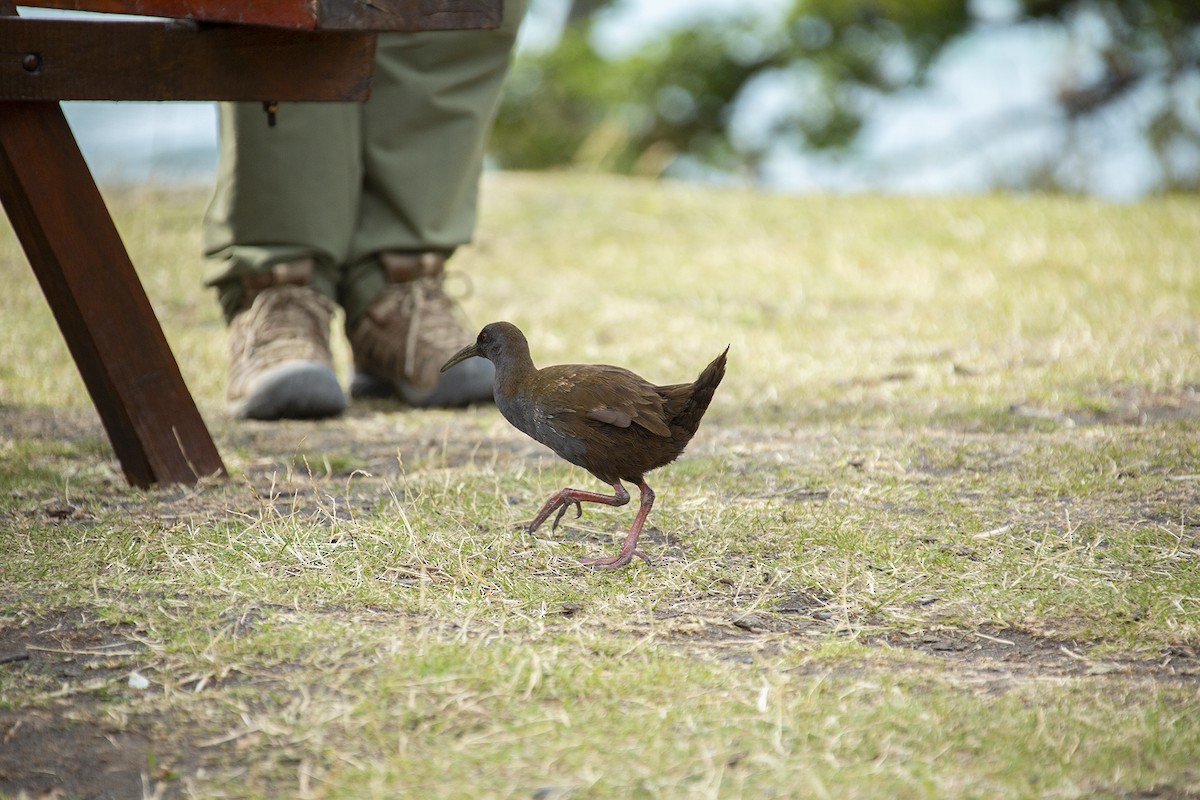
279, 228
283, 193
425, 130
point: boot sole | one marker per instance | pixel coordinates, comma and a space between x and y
295, 390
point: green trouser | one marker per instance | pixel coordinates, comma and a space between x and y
341, 182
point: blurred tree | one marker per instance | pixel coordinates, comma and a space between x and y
678, 95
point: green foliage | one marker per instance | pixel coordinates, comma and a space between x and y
634, 114
570, 106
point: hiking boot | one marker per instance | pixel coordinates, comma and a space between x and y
408, 332
279, 360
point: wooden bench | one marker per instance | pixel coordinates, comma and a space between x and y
202, 50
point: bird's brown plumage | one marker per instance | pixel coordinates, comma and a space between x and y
608, 420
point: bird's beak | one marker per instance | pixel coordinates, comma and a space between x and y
462, 355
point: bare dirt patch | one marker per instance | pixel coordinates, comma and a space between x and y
64, 748
44, 754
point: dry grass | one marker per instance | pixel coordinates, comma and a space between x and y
937, 537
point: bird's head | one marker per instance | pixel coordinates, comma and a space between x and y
498, 342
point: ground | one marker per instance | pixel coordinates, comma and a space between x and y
937, 536
70, 745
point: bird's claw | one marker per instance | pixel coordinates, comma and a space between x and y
563, 509
613, 562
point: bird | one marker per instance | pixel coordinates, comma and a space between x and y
608, 420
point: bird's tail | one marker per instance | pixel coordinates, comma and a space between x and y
700, 394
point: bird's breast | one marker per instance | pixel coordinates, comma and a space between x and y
547, 425
552, 429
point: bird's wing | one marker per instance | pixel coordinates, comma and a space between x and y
615, 396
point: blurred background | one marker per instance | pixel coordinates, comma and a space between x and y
1097, 97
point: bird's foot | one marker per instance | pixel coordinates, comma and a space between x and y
561, 502
568, 497
563, 509
614, 562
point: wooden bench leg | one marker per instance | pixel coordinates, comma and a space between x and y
101, 307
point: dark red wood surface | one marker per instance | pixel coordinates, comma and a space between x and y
368, 15
98, 301
109, 59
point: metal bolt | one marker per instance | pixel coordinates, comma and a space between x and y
32, 62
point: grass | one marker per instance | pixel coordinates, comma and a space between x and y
937, 537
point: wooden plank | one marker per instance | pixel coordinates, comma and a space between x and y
371, 15
105, 59
101, 308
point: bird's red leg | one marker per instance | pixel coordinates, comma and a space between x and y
568, 497
629, 547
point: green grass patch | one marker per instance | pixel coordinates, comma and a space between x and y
937, 536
